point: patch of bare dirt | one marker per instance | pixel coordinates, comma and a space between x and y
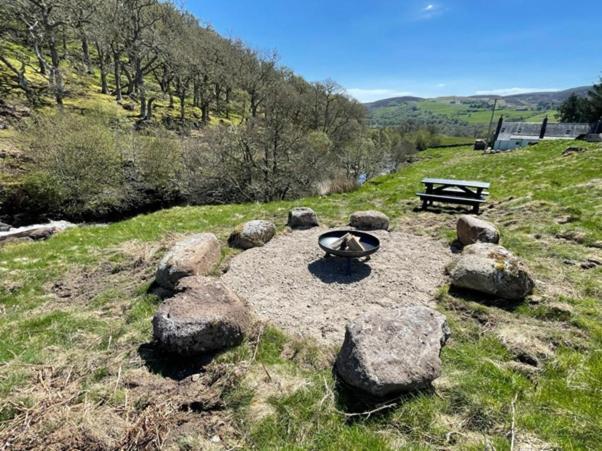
289, 282
137, 264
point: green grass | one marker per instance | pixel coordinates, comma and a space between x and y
98, 336
446, 113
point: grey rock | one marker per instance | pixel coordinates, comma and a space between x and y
489, 250
369, 220
471, 230
302, 218
590, 263
492, 270
35, 232
4, 227
571, 150
392, 353
252, 234
204, 316
195, 255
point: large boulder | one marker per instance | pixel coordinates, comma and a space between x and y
204, 316
369, 220
386, 354
472, 230
302, 218
35, 232
488, 250
492, 270
252, 234
195, 255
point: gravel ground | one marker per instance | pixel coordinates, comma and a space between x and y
289, 283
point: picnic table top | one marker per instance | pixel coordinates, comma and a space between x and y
452, 182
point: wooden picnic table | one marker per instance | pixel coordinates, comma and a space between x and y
464, 192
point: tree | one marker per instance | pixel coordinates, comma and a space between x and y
43, 19
257, 74
595, 102
141, 46
81, 14
13, 59
575, 109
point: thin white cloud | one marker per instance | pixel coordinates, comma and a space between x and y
430, 10
441, 85
513, 91
372, 95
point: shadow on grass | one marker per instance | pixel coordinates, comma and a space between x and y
176, 368
339, 270
446, 210
358, 405
484, 299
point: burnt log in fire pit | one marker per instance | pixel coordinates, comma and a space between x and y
349, 244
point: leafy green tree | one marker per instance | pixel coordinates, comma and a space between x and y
575, 109
595, 102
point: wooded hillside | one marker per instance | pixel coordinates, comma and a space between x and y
149, 78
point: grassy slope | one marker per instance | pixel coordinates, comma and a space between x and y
83, 92
90, 338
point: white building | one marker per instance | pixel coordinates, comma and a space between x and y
510, 135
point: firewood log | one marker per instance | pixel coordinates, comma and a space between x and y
341, 243
353, 244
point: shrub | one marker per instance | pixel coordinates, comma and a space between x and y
154, 166
77, 164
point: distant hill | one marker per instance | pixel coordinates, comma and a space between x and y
393, 101
467, 115
556, 98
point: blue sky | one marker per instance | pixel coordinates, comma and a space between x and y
385, 48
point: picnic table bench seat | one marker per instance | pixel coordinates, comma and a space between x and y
463, 192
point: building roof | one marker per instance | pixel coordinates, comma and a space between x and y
567, 130
513, 130
532, 130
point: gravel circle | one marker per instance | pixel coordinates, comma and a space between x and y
289, 283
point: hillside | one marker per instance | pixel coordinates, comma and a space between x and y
468, 114
78, 370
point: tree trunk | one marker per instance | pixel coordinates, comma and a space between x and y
182, 106
196, 98
102, 64
104, 86
254, 105
131, 87
40, 57
117, 69
142, 114
218, 94
86, 54
139, 83
205, 112
65, 48
228, 93
56, 76
149, 108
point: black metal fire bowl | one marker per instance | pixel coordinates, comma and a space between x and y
369, 242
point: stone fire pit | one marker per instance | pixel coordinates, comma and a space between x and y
288, 281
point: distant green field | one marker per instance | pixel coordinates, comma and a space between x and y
448, 114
